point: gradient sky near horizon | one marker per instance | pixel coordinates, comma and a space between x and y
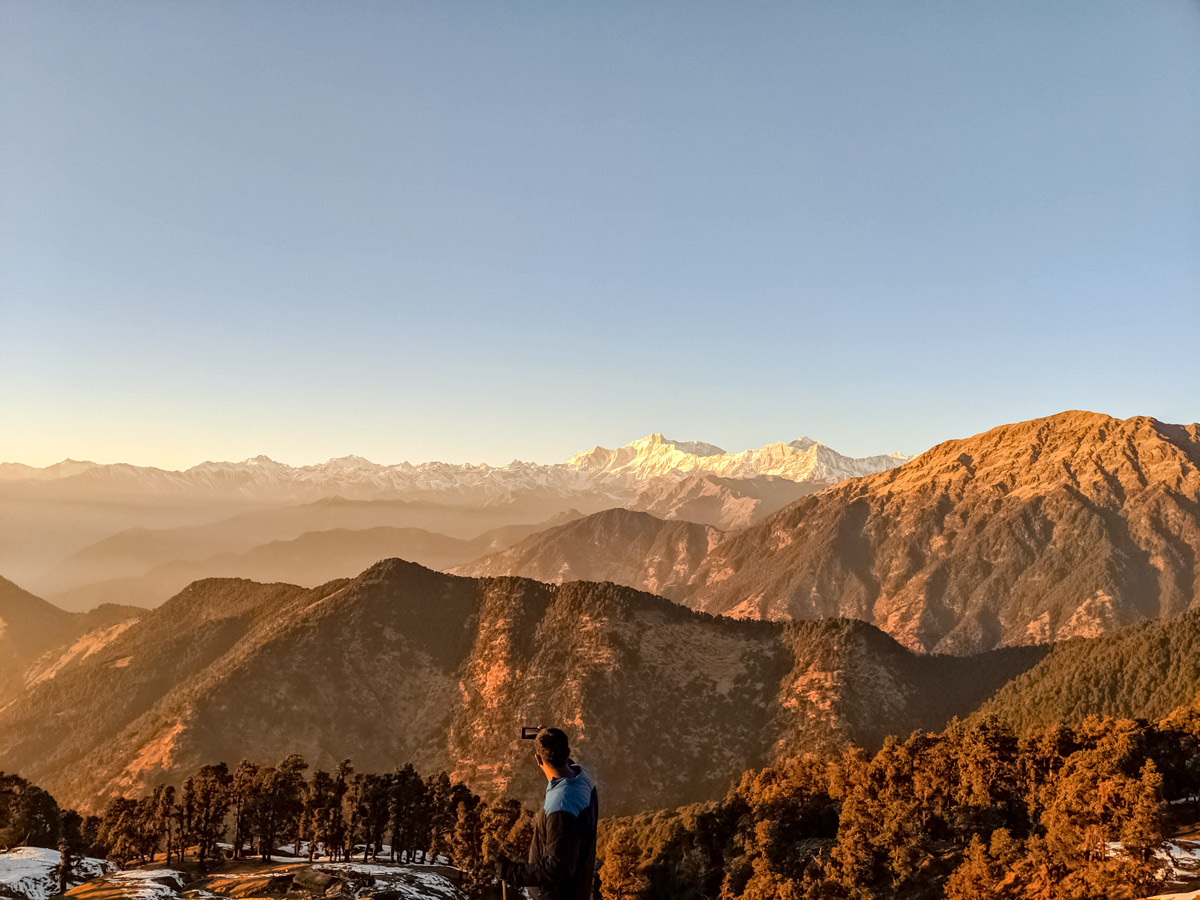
478, 232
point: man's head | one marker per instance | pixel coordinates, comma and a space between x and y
552, 751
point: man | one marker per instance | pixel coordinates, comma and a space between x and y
562, 854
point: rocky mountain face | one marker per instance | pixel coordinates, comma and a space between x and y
31, 627
406, 664
1071, 525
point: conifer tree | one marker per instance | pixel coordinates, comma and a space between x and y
439, 792
29, 816
119, 830
621, 876
466, 847
318, 795
407, 806
335, 819
164, 819
211, 786
242, 796
70, 848
184, 815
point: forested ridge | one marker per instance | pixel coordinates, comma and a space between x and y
1145, 670
410, 664
966, 813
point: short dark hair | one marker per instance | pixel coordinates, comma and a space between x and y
552, 747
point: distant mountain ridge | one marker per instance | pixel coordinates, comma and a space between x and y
1071, 525
617, 472
310, 559
623, 546
50, 516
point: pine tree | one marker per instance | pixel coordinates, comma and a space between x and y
119, 830
164, 820
28, 814
439, 792
407, 802
317, 795
70, 847
335, 819
242, 795
279, 801
975, 878
184, 815
621, 876
211, 806
466, 847
499, 822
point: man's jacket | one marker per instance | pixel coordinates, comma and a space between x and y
562, 854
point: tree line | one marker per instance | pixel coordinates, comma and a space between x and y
973, 812
263, 811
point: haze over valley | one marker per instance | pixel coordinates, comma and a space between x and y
285, 523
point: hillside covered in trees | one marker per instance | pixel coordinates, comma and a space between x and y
972, 812
403, 662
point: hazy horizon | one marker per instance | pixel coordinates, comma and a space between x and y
465, 460
484, 233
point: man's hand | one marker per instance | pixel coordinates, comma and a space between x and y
503, 868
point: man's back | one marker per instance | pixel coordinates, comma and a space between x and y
562, 854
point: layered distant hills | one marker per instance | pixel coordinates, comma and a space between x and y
802, 603
1071, 525
82, 533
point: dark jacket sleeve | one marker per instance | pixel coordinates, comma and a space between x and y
559, 857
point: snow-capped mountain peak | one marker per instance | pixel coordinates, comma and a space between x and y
804, 442
614, 474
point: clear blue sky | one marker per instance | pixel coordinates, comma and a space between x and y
480, 231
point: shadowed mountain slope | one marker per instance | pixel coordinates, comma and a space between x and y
31, 627
405, 664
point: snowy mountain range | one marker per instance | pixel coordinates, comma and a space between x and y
618, 473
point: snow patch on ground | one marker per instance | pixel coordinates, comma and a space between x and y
149, 884
1183, 865
29, 872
